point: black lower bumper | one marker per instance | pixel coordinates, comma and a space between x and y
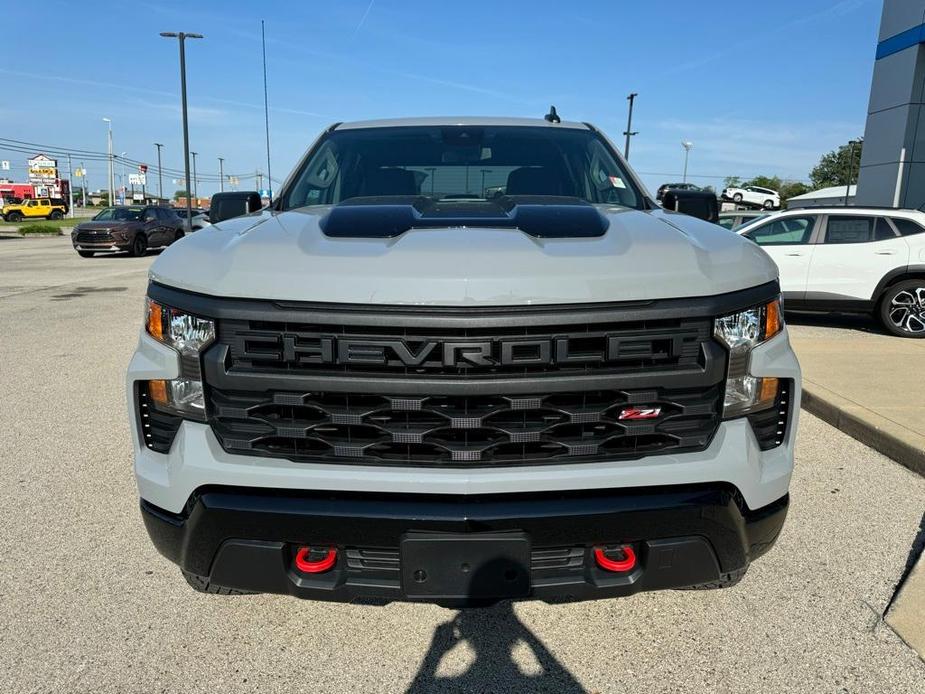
246, 539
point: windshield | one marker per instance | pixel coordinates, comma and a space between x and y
120, 214
461, 163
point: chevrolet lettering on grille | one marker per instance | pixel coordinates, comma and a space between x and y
398, 352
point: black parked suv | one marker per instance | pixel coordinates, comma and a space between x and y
660, 193
132, 228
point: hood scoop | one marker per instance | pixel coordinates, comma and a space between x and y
545, 217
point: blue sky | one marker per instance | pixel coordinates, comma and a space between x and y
759, 88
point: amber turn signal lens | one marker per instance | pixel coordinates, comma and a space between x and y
772, 319
157, 390
155, 321
767, 393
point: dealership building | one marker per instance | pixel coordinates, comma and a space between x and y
893, 159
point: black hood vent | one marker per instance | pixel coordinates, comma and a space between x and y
544, 217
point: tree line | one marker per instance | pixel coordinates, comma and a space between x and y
840, 167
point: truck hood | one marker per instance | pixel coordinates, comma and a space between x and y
643, 255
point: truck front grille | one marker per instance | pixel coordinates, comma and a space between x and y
465, 430
463, 387
293, 347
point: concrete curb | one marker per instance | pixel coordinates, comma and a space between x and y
65, 231
894, 441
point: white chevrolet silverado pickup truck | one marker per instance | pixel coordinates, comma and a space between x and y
459, 361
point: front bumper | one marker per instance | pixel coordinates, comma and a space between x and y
102, 246
246, 539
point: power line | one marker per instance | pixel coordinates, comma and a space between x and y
25, 147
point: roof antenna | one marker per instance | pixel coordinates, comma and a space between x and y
552, 116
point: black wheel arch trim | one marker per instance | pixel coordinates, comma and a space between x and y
897, 275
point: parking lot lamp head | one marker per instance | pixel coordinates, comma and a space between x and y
181, 37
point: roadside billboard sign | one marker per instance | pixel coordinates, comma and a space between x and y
42, 170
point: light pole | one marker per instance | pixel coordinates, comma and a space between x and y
629, 126
851, 144
181, 37
687, 151
112, 183
266, 109
195, 182
160, 180
221, 175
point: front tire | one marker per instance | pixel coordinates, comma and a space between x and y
14, 217
902, 309
139, 246
86, 254
737, 198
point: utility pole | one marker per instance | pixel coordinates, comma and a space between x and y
70, 188
112, 183
181, 37
160, 180
259, 181
123, 179
221, 175
83, 179
687, 150
195, 179
629, 127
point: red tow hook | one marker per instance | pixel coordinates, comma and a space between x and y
315, 560
627, 563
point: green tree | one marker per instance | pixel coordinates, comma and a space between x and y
791, 189
839, 167
181, 194
772, 182
732, 182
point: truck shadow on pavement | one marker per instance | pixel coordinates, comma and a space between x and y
492, 634
918, 547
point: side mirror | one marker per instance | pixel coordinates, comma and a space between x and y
234, 204
696, 203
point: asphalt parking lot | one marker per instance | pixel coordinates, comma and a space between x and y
87, 605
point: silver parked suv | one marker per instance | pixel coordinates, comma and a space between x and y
459, 361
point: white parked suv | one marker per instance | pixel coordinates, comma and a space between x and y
461, 360
753, 195
852, 259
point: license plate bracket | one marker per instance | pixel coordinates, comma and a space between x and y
490, 566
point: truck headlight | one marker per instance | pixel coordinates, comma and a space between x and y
741, 332
188, 335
